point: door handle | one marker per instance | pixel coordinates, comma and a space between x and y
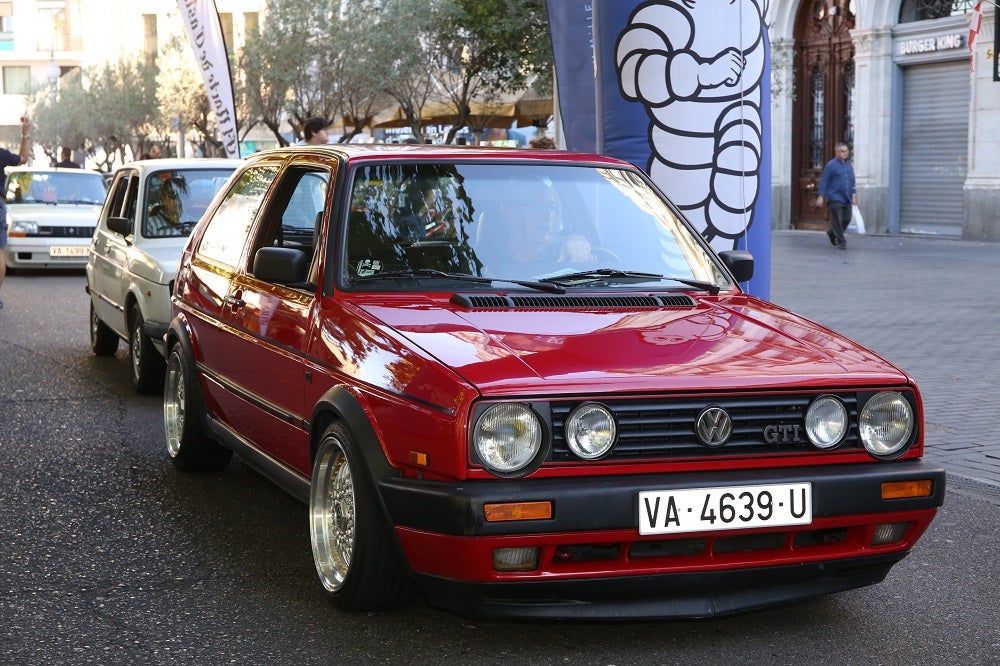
234, 301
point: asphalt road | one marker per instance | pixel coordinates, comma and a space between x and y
110, 556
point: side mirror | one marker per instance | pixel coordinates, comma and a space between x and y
739, 263
280, 265
120, 225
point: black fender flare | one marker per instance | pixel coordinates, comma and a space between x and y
339, 404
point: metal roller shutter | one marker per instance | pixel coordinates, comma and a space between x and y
934, 158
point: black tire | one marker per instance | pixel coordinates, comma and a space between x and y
357, 558
146, 363
103, 341
188, 445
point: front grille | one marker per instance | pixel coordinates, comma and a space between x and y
63, 232
665, 428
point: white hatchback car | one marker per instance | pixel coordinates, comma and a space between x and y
51, 215
151, 207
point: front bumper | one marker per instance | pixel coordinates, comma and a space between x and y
26, 253
594, 564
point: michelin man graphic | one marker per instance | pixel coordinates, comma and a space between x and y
697, 67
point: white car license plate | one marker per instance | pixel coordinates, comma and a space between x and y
68, 251
732, 508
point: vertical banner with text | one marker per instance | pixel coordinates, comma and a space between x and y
204, 30
570, 25
683, 91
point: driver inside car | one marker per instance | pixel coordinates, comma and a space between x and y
535, 239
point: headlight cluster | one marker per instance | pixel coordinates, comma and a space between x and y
885, 423
23, 228
508, 437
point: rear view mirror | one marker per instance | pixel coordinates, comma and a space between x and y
739, 263
120, 225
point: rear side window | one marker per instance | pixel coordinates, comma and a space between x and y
227, 231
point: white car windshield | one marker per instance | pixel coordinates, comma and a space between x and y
566, 224
50, 187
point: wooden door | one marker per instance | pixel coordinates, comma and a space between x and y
823, 107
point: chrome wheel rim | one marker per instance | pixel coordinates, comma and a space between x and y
332, 511
173, 406
93, 324
136, 349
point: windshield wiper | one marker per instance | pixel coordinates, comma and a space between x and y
463, 277
584, 277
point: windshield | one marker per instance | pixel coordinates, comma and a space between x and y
177, 198
516, 222
50, 187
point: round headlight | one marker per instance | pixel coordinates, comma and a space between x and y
507, 437
590, 430
826, 422
885, 423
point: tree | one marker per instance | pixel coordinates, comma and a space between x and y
104, 110
483, 49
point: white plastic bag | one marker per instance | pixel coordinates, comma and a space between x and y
857, 222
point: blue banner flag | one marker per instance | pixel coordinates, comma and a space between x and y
570, 23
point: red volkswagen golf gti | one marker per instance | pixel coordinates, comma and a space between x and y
520, 384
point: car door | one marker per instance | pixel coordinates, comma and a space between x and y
277, 319
205, 286
110, 250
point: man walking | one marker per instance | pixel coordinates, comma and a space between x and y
836, 189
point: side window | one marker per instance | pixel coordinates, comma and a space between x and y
294, 217
226, 232
116, 197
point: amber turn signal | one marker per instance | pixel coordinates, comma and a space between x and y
904, 489
418, 458
495, 513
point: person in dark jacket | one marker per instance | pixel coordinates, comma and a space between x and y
837, 190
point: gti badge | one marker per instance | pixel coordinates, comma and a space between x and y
714, 426
775, 434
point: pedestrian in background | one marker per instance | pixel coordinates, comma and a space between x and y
543, 142
66, 159
314, 132
153, 154
837, 190
7, 159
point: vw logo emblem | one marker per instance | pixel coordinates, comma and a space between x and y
714, 426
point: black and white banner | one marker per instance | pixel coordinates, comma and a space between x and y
201, 21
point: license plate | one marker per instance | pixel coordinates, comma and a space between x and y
69, 251
732, 508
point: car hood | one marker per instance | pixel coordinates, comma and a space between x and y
59, 215
725, 342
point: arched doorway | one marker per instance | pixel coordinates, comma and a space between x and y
823, 110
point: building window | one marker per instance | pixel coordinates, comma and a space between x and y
226, 23
59, 25
923, 10
251, 23
6, 18
150, 43
16, 80
817, 84
848, 137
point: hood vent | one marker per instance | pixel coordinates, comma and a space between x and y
568, 302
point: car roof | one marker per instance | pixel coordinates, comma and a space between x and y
48, 169
182, 163
361, 152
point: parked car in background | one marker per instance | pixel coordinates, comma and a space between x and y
151, 207
520, 383
51, 216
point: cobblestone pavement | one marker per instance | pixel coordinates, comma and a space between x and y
929, 305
